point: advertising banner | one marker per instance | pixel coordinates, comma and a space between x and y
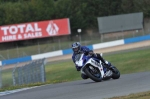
33, 30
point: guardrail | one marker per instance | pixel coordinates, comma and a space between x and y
69, 51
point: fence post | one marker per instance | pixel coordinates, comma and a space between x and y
43, 78
13, 75
17, 51
123, 35
0, 76
8, 54
102, 37
59, 43
39, 51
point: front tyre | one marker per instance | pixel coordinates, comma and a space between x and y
93, 73
116, 73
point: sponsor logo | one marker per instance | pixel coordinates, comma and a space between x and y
52, 28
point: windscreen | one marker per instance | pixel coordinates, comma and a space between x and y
77, 57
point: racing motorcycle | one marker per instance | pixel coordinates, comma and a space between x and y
94, 68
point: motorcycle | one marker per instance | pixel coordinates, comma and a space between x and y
95, 69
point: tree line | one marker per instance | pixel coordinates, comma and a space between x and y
82, 13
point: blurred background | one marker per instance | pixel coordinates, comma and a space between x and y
89, 16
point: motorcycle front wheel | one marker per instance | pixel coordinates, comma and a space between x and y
116, 73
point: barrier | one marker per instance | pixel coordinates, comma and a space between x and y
108, 44
136, 39
69, 51
16, 60
46, 55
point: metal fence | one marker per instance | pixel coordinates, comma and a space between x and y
31, 72
60, 44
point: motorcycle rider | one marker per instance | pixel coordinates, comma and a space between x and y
77, 49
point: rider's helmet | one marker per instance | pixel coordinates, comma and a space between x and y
76, 47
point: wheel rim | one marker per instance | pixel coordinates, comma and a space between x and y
95, 72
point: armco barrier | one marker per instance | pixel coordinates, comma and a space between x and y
16, 60
108, 44
46, 55
69, 51
136, 39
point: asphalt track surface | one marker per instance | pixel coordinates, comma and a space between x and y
88, 89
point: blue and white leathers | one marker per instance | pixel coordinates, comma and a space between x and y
83, 49
82, 60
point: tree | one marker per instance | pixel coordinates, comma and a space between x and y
74, 11
43, 9
142, 6
2, 15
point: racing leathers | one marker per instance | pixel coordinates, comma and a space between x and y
87, 51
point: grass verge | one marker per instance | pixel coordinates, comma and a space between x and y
142, 95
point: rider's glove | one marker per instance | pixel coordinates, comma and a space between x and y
91, 53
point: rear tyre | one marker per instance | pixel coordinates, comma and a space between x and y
95, 74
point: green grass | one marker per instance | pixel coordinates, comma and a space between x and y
135, 61
142, 95
63, 71
6, 77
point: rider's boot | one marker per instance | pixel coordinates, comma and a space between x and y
106, 64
